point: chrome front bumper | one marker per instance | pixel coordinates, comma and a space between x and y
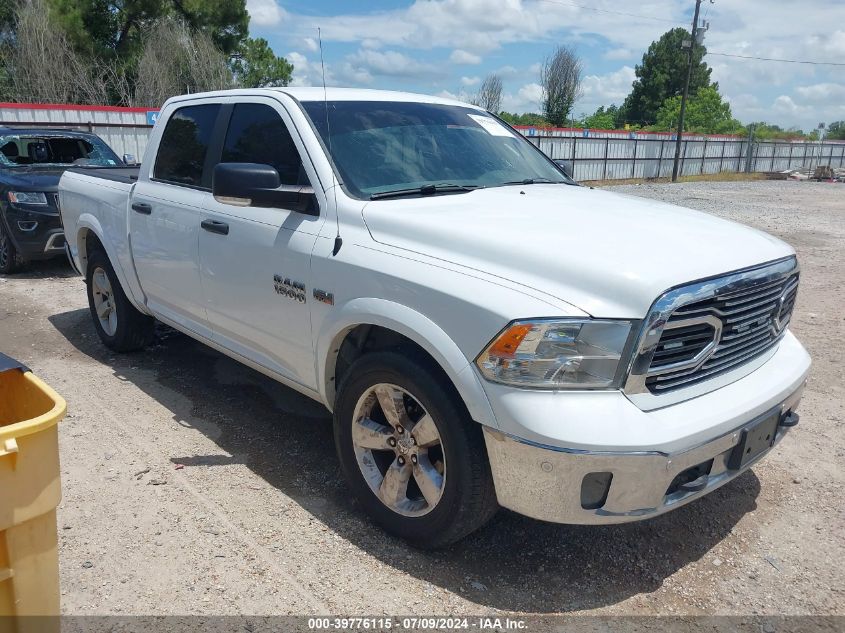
546, 482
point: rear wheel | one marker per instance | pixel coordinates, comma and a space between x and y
412, 455
10, 261
119, 324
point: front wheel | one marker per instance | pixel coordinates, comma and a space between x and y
411, 454
10, 261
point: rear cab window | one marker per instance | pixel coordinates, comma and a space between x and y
183, 149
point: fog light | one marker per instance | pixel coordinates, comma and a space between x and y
28, 225
594, 489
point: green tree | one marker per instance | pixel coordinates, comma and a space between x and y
706, 114
603, 118
256, 65
661, 75
768, 131
836, 131
114, 28
560, 78
529, 118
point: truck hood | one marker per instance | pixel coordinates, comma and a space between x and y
608, 254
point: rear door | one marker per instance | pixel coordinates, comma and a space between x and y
165, 216
255, 261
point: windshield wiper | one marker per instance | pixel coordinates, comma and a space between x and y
425, 190
532, 181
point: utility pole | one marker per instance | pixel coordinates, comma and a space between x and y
686, 92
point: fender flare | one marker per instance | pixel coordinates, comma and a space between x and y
413, 325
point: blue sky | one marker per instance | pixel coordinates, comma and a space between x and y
446, 47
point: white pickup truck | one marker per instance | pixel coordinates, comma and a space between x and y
486, 332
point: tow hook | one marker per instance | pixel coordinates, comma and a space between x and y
789, 419
695, 485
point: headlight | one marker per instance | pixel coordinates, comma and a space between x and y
557, 354
27, 197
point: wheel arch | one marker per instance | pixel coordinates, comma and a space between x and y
394, 319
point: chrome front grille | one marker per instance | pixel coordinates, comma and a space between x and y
703, 330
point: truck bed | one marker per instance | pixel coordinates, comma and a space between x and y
127, 175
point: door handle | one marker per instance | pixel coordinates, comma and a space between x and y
215, 227
142, 207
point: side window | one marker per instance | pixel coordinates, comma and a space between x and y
184, 145
257, 134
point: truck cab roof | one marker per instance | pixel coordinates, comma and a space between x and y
318, 93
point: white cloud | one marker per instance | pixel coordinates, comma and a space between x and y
527, 99
470, 81
264, 12
311, 44
610, 88
618, 54
305, 73
785, 105
459, 96
823, 93
459, 56
391, 64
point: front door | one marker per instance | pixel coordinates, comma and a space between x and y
255, 262
165, 215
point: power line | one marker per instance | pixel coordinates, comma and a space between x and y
628, 15
774, 59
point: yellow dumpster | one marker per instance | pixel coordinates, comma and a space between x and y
29, 493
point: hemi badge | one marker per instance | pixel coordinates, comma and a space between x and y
324, 297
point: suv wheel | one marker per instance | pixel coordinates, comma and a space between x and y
412, 455
10, 261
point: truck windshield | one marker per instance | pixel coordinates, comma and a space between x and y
382, 147
43, 150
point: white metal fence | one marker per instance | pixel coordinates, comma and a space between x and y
124, 129
608, 155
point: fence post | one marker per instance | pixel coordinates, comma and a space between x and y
660, 157
749, 151
774, 150
791, 147
703, 156
722, 157
683, 158
634, 162
606, 147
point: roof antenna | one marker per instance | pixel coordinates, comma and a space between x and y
338, 241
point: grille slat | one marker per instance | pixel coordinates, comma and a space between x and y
750, 317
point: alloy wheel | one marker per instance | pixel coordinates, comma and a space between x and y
104, 304
399, 450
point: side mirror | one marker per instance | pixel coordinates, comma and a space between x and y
255, 185
129, 159
566, 166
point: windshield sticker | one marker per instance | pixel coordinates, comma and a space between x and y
492, 126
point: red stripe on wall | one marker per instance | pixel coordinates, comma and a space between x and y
73, 106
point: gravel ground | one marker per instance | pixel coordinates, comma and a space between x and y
195, 485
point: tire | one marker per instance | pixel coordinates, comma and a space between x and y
123, 328
456, 503
10, 260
